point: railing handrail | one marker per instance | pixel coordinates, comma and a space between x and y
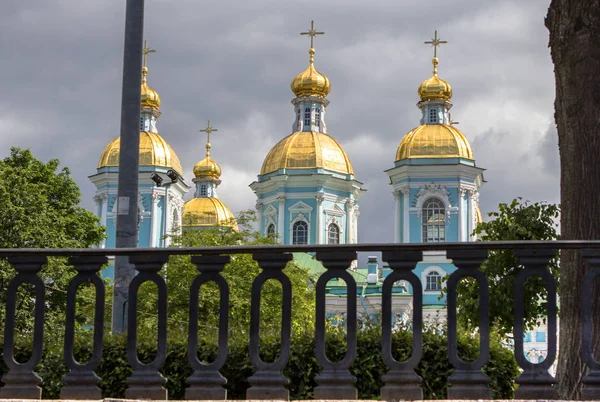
364, 247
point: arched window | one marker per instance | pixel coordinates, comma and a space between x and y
300, 233
433, 115
434, 220
318, 117
271, 230
203, 190
333, 234
142, 123
307, 116
434, 281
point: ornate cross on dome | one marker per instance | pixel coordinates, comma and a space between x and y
208, 130
435, 42
312, 33
147, 50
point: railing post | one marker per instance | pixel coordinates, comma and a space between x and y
146, 382
468, 380
535, 382
206, 382
21, 382
82, 382
335, 381
591, 388
268, 382
401, 382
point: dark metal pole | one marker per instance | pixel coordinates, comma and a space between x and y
127, 211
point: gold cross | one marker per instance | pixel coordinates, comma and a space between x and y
146, 50
208, 130
312, 33
435, 42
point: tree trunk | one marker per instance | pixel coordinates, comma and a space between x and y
574, 27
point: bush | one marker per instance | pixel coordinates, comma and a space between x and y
301, 370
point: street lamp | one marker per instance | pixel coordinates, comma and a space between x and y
159, 181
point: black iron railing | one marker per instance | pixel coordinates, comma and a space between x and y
334, 380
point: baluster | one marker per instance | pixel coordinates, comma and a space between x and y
591, 389
82, 382
268, 382
401, 382
468, 381
206, 382
146, 382
535, 382
335, 381
21, 382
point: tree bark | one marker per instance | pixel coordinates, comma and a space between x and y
574, 27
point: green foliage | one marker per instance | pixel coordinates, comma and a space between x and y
302, 367
515, 221
239, 274
39, 209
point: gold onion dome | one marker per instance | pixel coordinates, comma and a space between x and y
207, 167
310, 82
154, 151
305, 150
435, 88
207, 211
150, 98
434, 141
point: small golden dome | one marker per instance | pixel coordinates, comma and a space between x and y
154, 151
435, 88
310, 82
434, 141
206, 212
150, 97
307, 149
207, 167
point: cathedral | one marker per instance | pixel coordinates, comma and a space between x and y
307, 192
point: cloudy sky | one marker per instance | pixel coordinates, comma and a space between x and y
231, 61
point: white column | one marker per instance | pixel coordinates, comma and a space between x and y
355, 224
155, 222
281, 218
103, 214
461, 213
349, 214
472, 217
319, 220
397, 215
406, 223
259, 218
470, 212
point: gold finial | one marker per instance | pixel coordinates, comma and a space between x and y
435, 42
312, 33
208, 130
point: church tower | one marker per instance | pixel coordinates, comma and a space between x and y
206, 209
306, 190
435, 180
159, 208
436, 186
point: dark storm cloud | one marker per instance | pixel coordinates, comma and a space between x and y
232, 62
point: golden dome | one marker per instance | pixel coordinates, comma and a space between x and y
310, 82
307, 149
206, 212
150, 97
207, 167
434, 141
154, 151
435, 88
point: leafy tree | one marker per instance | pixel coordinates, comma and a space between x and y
239, 273
574, 28
39, 209
515, 221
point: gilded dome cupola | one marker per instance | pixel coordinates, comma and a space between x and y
310, 82
435, 88
150, 98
